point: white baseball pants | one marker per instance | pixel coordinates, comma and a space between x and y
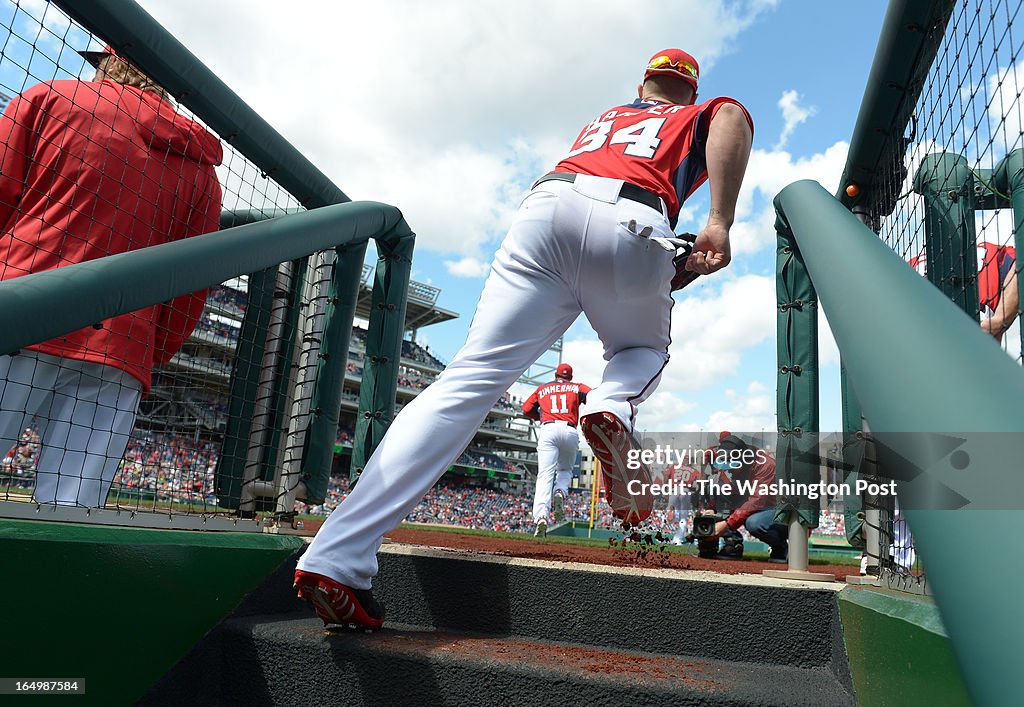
571, 248
557, 444
84, 413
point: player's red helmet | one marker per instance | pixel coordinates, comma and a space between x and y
564, 370
674, 62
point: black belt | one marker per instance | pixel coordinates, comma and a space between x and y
548, 422
628, 191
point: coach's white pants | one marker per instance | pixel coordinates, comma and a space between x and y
557, 445
571, 248
84, 413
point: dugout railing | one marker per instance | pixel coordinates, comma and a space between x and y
934, 168
954, 450
295, 270
914, 261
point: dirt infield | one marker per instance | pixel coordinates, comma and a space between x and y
632, 555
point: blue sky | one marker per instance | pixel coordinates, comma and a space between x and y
450, 109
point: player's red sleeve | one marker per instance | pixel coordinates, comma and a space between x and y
177, 319
531, 407
716, 103
16, 143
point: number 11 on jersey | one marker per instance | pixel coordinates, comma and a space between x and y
555, 399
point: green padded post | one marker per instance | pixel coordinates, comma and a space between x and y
280, 401
245, 376
853, 454
894, 331
797, 395
325, 407
383, 345
947, 185
1008, 177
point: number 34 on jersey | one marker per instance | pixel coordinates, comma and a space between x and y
640, 138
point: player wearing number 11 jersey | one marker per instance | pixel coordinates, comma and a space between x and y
557, 406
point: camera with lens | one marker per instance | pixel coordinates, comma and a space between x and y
707, 542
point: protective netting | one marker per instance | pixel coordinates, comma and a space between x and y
90, 170
952, 180
225, 379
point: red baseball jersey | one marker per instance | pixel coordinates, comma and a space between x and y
994, 263
655, 145
685, 475
558, 400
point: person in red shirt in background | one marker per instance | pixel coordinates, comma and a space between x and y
556, 406
757, 512
89, 169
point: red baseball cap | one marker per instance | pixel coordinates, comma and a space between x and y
674, 62
564, 370
95, 58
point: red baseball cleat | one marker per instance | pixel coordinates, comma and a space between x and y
612, 443
337, 603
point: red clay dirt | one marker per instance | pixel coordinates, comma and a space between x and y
618, 555
634, 668
630, 555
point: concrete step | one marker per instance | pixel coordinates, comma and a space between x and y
530, 629
728, 617
270, 660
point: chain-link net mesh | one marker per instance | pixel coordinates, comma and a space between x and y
951, 181
92, 169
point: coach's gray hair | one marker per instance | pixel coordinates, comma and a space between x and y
117, 69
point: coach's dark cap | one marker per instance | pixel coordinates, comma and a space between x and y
95, 58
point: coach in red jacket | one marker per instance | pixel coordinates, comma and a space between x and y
89, 169
757, 513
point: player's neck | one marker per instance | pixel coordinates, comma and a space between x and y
654, 97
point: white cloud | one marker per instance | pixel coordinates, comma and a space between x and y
793, 114
714, 325
586, 356
1004, 110
447, 109
711, 329
753, 411
664, 411
768, 172
467, 267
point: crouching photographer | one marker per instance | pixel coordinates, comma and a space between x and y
750, 470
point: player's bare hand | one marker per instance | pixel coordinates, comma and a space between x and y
711, 251
994, 327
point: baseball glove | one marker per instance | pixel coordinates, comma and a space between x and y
682, 246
